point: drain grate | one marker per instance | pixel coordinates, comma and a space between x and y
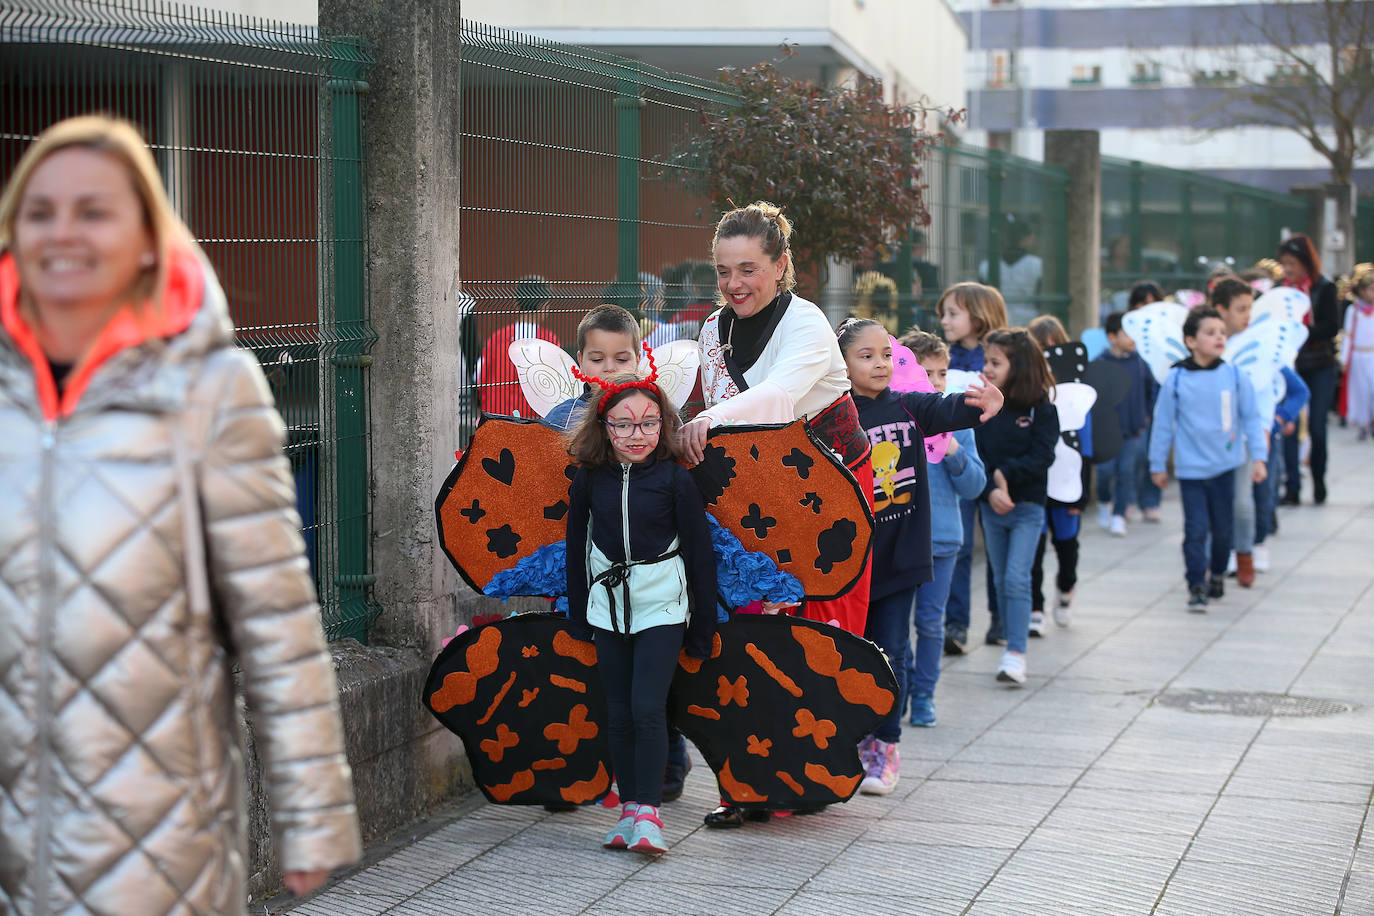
1232, 703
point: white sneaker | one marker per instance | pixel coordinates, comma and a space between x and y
1231, 564
1012, 670
1118, 526
1104, 516
1062, 613
1260, 554
1037, 623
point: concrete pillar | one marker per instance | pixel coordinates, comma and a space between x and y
1079, 153
411, 149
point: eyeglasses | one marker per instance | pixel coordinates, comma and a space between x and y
622, 430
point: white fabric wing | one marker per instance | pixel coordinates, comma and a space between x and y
677, 364
1282, 302
959, 380
545, 373
1073, 400
1158, 334
1259, 351
1065, 479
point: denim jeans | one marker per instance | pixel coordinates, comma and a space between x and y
1208, 509
1010, 540
1322, 384
959, 607
1150, 495
889, 625
923, 665
1243, 528
1118, 480
1267, 493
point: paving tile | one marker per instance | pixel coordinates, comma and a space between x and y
690, 900
1081, 881
915, 903
1209, 887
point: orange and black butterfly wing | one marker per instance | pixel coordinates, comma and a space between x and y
783, 493
780, 707
505, 498
526, 699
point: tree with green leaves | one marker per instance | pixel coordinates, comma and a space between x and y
842, 162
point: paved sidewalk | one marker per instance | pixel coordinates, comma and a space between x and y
1089, 791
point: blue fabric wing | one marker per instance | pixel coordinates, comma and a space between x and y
742, 576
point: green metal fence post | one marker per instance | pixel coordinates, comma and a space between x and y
1187, 254
352, 570
996, 174
1230, 226
629, 105
1135, 223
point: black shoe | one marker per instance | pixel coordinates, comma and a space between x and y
758, 815
956, 641
1216, 587
1197, 599
725, 816
1319, 492
1290, 499
995, 638
679, 765
810, 809
560, 808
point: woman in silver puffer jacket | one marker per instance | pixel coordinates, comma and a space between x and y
148, 540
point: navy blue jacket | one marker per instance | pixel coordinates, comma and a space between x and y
664, 503
1020, 444
1138, 405
897, 425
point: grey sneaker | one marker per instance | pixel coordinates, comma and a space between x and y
1197, 599
1062, 612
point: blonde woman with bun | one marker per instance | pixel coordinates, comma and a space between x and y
150, 541
770, 356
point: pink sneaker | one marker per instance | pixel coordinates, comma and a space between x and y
885, 768
648, 832
619, 838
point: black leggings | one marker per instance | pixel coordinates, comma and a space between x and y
636, 672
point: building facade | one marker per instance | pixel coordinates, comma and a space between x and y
1152, 76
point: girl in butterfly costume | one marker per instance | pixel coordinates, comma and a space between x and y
641, 581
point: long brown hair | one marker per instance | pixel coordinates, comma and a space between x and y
1029, 379
590, 443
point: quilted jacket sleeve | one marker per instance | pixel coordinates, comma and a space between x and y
261, 584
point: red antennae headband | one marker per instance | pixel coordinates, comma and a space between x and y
609, 388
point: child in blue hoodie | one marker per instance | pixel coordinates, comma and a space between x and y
897, 425
1204, 408
958, 476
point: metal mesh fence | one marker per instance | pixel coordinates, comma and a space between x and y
569, 200
256, 126
1173, 227
980, 202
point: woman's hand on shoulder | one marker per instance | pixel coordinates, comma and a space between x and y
985, 396
692, 439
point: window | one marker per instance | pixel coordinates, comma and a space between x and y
1145, 73
1001, 69
1086, 75
1214, 77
